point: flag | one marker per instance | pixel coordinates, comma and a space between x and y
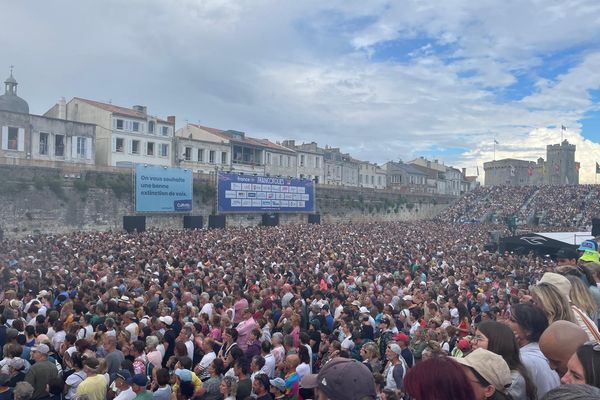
496, 142
597, 168
530, 171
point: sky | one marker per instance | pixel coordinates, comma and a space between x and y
381, 79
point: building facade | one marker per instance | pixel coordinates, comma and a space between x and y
124, 136
371, 175
310, 158
202, 149
33, 137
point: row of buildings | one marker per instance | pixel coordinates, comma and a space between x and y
83, 131
559, 168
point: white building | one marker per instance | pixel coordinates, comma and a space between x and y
371, 175
279, 160
34, 137
202, 149
124, 136
309, 160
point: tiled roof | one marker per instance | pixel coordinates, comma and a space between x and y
246, 140
127, 112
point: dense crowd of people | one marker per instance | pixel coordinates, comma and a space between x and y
567, 207
386, 311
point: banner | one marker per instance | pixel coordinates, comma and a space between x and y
162, 189
260, 194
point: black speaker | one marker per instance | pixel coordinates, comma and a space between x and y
595, 227
193, 222
270, 219
314, 219
133, 223
216, 221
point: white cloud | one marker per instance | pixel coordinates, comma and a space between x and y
306, 70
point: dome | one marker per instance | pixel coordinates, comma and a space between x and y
13, 103
9, 101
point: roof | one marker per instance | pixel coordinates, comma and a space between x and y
406, 167
246, 140
428, 171
128, 112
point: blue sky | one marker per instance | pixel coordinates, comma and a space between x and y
382, 79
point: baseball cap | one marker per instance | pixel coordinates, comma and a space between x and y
395, 348
125, 375
41, 348
278, 383
590, 256
168, 320
490, 366
567, 253
140, 380
401, 337
558, 281
184, 374
364, 310
463, 344
342, 379
590, 245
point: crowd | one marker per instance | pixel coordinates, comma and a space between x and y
568, 207
386, 311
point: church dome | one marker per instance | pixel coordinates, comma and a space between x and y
9, 101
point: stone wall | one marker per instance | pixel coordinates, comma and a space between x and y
59, 200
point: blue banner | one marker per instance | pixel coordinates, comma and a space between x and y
163, 190
248, 194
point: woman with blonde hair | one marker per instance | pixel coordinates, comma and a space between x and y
555, 305
582, 298
370, 354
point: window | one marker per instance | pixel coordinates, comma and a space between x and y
164, 150
359, 178
187, 154
120, 145
59, 145
268, 158
135, 147
211, 156
317, 162
200, 155
135, 126
13, 138
302, 160
43, 143
81, 147
150, 148
224, 157
120, 124
150, 126
165, 131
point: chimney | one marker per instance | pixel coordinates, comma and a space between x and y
62, 108
141, 109
464, 172
171, 120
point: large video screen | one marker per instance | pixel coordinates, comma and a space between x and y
163, 189
247, 193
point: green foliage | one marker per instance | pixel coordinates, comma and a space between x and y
38, 183
204, 191
81, 185
55, 185
121, 185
